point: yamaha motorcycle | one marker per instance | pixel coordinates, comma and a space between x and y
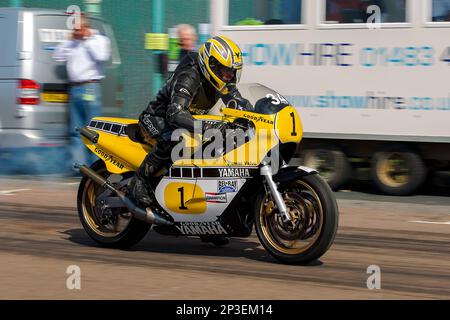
250, 185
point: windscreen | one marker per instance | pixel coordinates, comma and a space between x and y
263, 99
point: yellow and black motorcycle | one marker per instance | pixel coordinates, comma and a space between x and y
292, 208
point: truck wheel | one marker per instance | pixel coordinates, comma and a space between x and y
398, 171
331, 163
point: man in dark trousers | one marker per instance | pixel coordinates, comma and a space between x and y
85, 54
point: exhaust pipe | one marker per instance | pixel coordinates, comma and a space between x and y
147, 215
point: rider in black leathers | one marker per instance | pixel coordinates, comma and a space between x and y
199, 81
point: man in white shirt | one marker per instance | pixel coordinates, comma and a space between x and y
85, 54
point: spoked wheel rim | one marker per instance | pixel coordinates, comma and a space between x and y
306, 211
106, 226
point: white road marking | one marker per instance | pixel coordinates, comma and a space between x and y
430, 222
11, 192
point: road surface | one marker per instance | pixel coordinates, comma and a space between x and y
41, 236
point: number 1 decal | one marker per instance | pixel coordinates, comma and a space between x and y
182, 206
294, 131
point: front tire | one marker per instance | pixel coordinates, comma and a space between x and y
123, 232
314, 210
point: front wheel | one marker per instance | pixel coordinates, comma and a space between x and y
314, 212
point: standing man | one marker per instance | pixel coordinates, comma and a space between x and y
188, 39
85, 54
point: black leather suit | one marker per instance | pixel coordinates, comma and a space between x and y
187, 92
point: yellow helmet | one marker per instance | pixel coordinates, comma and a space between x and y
220, 61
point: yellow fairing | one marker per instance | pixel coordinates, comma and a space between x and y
288, 125
121, 154
249, 154
111, 145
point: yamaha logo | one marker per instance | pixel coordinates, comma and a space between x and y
234, 173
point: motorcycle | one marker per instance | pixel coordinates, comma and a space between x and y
292, 208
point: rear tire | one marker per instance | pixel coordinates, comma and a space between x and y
321, 200
132, 233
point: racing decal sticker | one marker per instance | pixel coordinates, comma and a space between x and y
216, 197
200, 228
258, 119
227, 186
184, 198
108, 158
234, 172
223, 172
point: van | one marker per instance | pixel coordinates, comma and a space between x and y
34, 87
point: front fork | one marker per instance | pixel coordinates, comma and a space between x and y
266, 171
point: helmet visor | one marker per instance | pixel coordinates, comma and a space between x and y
226, 74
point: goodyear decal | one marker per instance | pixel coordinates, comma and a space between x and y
108, 158
257, 119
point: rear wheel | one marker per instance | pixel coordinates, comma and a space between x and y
314, 212
398, 171
112, 228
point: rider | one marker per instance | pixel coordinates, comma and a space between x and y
196, 85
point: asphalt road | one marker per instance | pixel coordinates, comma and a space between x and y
41, 236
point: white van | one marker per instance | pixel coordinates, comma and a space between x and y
33, 86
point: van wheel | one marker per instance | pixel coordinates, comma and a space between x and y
398, 171
331, 163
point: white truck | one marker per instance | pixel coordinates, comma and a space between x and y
375, 92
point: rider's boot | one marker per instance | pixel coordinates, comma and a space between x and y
139, 191
138, 185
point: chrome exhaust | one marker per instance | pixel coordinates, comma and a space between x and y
147, 215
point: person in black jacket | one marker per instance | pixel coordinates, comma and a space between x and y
199, 81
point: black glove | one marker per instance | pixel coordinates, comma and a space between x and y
236, 101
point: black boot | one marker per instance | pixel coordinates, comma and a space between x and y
138, 186
139, 191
